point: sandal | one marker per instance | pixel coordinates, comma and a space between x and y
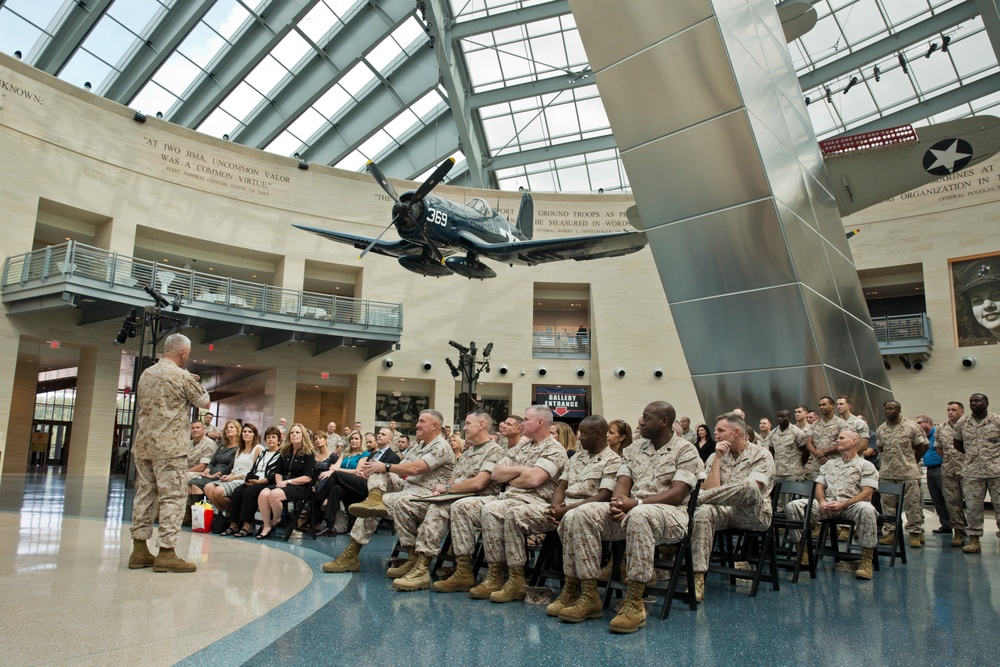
262, 535
243, 532
228, 531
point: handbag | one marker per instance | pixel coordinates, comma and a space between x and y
220, 521
201, 517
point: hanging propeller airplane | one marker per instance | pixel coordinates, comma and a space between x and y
434, 232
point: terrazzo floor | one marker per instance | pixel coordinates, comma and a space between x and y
68, 599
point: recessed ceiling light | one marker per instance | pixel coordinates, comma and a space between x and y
165, 259
211, 269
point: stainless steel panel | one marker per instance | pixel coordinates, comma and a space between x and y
877, 396
852, 298
760, 393
776, 54
613, 32
820, 200
829, 324
766, 18
749, 331
831, 226
672, 85
801, 135
700, 169
737, 18
782, 169
734, 250
868, 353
808, 252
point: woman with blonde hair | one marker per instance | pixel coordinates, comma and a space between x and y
292, 477
563, 432
457, 444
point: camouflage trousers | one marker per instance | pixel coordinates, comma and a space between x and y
160, 484
913, 503
954, 498
407, 517
975, 496
863, 514
494, 514
584, 528
466, 517
387, 483
518, 523
730, 506
811, 468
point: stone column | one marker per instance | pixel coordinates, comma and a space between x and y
710, 120
92, 440
19, 417
279, 395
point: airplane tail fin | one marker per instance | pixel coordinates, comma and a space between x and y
526, 216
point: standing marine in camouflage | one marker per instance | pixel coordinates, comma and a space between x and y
977, 435
428, 462
647, 508
951, 472
844, 488
902, 443
529, 470
736, 492
166, 393
822, 443
422, 526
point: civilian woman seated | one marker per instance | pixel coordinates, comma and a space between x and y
221, 463
563, 432
331, 494
292, 478
261, 475
218, 492
619, 436
324, 456
706, 443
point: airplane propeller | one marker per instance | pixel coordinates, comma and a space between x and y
407, 211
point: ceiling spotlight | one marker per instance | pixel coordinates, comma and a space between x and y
878, 74
303, 165
808, 100
945, 41
906, 362
225, 137
902, 63
86, 84
297, 156
139, 117
17, 54
159, 114
850, 84
829, 94
885, 362
932, 49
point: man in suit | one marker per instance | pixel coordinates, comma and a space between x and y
351, 486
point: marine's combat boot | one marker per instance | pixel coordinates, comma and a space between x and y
888, 538
492, 582
402, 569
633, 612
959, 539
513, 588
916, 540
461, 579
141, 557
568, 596
699, 586
973, 547
371, 507
418, 578
864, 570
167, 561
347, 561
587, 605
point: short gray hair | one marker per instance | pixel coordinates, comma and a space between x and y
734, 420
543, 411
482, 415
176, 343
435, 414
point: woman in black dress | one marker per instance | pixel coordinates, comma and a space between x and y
292, 477
705, 444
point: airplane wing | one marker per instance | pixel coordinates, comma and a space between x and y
387, 248
871, 174
540, 251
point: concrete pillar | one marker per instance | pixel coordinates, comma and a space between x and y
280, 386
92, 440
118, 238
727, 174
365, 387
15, 450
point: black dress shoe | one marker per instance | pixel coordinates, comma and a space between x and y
942, 531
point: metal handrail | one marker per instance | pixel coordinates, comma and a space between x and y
74, 259
897, 328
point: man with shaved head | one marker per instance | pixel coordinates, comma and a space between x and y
844, 489
902, 443
656, 476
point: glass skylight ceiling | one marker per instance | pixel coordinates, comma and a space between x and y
344, 81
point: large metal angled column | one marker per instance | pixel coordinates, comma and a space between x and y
725, 168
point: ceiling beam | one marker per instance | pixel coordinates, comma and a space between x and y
421, 148
231, 65
889, 45
78, 20
569, 149
344, 48
327, 343
457, 82
216, 331
990, 11
555, 84
510, 19
147, 57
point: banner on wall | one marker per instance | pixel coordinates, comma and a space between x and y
566, 402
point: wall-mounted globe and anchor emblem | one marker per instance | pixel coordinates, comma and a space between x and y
947, 156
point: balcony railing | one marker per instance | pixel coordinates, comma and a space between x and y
904, 334
76, 262
553, 344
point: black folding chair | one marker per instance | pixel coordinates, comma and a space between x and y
898, 546
789, 552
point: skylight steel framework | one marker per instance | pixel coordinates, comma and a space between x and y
504, 86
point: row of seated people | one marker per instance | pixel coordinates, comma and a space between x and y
598, 495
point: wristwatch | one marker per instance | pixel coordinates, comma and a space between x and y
638, 501
387, 466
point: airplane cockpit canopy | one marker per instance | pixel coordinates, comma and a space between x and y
480, 205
